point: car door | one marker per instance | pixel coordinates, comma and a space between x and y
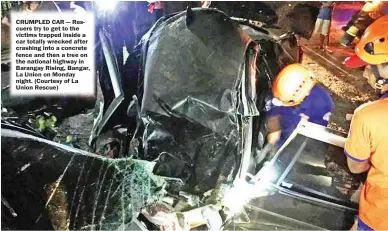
310, 186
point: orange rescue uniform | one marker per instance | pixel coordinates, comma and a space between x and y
368, 141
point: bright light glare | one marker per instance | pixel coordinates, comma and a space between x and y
376, 2
370, 6
266, 175
237, 196
242, 192
104, 5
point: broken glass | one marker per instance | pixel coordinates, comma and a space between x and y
46, 185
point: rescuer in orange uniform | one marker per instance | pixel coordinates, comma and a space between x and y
367, 145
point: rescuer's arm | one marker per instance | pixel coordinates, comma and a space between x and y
358, 145
274, 129
358, 167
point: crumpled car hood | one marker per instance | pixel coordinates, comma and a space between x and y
298, 17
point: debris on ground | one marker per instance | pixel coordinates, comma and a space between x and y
347, 94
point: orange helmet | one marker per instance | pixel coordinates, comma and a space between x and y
372, 47
293, 84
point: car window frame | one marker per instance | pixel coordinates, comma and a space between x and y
313, 131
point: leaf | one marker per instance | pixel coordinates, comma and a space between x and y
69, 139
41, 124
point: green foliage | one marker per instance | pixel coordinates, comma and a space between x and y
42, 123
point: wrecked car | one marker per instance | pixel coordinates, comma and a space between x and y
186, 128
181, 122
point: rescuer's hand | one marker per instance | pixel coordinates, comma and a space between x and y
273, 137
305, 117
268, 151
349, 117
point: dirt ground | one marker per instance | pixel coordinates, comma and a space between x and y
347, 92
347, 87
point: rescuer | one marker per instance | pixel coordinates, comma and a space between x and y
371, 11
295, 95
366, 147
322, 25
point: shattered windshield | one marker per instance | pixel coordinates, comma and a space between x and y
63, 188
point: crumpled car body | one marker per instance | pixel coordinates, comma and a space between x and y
194, 105
195, 109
